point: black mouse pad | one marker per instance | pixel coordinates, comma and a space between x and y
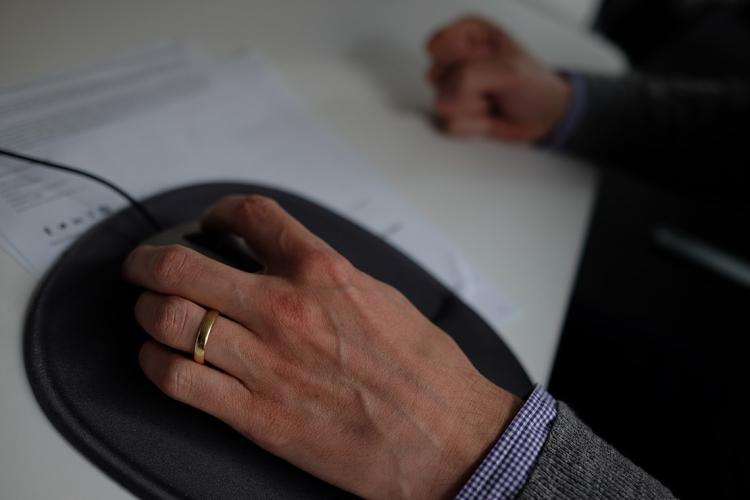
81, 345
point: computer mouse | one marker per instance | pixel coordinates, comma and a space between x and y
225, 247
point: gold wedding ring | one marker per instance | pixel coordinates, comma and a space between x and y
199, 353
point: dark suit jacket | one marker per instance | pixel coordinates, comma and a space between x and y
654, 351
676, 131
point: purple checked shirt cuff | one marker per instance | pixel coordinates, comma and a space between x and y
569, 124
508, 466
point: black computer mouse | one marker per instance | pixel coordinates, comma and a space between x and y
225, 247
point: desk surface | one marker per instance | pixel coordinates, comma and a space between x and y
519, 215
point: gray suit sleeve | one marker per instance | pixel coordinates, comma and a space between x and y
668, 130
575, 463
639, 114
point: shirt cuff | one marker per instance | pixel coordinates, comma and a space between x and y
508, 466
559, 137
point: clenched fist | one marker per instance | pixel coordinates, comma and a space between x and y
487, 84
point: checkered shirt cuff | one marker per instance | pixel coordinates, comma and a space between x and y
511, 461
571, 120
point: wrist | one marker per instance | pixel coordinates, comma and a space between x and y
562, 98
570, 113
481, 423
508, 466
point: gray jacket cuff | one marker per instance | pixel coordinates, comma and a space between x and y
576, 463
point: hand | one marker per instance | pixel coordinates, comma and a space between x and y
487, 84
316, 361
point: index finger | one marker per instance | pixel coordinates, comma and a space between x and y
180, 271
276, 237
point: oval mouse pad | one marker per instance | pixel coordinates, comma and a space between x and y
81, 345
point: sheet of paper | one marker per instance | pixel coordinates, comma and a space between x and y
201, 121
42, 212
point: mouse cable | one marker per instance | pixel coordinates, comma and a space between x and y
45, 163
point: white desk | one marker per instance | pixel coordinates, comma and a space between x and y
520, 215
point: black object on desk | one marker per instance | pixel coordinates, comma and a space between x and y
82, 342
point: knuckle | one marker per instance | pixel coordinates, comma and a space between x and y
444, 108
237, 345
450, 113
169, 319
464, 78
451, 125
171, 266
276, 437
325, 266
254, 207
177, 381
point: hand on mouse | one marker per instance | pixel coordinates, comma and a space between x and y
315, 361
487, 84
